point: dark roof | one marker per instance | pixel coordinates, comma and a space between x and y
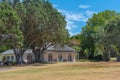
60, 48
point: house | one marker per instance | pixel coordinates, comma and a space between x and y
52, 54
9, 55
59, 54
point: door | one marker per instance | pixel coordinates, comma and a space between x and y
50, 57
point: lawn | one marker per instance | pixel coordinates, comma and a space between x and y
65, 71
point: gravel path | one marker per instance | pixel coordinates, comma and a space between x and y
5, 69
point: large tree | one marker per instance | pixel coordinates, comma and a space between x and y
112, 31
10, 33
41, 24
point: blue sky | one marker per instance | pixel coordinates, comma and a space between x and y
77, 12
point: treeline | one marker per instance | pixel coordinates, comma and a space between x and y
34, 24
100, 38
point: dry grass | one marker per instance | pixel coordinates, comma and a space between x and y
65, 71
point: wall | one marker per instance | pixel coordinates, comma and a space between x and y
2, 55
55, 56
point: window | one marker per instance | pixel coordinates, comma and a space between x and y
8, 58
12, 57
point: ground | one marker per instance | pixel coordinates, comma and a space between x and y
64, 71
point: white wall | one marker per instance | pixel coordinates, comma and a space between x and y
2, 55
0, 58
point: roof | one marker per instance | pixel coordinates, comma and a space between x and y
10, 51
60, 48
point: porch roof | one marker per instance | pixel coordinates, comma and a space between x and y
10, 51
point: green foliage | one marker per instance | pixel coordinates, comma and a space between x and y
3, 48
84, 60
9, 26
99, 34
41, 22
76, 48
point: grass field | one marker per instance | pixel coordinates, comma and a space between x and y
65, 71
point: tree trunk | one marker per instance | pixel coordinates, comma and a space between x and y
106, 54
19, 55
38, 54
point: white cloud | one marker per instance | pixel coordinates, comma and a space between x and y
84, 6
70, 25
55, 6
71, 19
72, 34
73, 16
90, 13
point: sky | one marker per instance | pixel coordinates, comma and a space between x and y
77, 12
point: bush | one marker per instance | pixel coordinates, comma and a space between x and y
98, 58
84, 60
106, 57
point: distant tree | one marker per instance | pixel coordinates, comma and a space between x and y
95, 32
113, 30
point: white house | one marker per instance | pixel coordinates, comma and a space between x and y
52, 54
10, 56
59, 54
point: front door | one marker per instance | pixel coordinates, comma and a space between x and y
69, 57
60, 58
50, 57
